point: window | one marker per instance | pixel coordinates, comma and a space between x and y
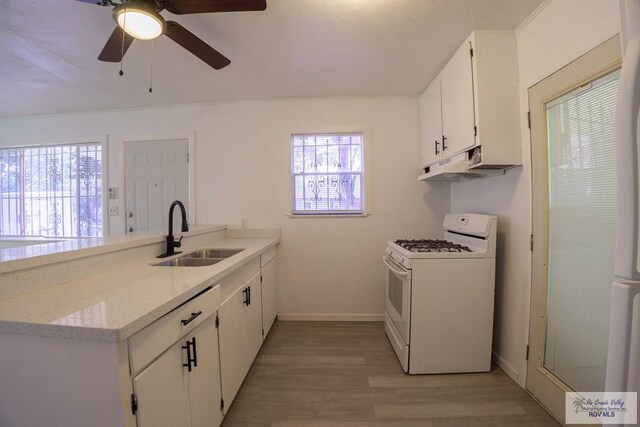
51, 191
327, 174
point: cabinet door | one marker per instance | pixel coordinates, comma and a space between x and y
458, 117
204, 379
269, 296
253, 329
162, 391
431, 123
232, 344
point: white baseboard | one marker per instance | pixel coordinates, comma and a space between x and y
331, 317
505, 366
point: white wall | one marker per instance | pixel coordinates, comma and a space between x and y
553, 36
326, 265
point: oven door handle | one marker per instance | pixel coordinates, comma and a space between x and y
395, 271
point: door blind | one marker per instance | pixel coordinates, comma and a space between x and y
581, 219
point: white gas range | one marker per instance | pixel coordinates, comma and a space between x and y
439, 297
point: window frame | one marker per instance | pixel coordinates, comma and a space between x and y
100, 141
365, 174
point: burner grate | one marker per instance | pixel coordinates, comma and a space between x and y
431, 245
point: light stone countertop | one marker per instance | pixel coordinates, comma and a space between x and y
113, 306
65, 249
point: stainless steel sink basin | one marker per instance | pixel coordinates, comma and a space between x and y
188, 262
213, 253
200, 258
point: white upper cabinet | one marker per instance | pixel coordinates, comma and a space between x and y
458, 116
470, 110
431, 123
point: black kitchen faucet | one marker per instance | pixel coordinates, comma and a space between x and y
171, 242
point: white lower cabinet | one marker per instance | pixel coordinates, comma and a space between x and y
269, 296
182, 386
240, 335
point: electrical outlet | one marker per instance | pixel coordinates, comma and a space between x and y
113, 211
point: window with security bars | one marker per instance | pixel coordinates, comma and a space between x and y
327, 173
51, 191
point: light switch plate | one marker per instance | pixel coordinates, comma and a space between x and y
113, 211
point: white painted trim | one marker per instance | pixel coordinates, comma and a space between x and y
319, 317
533, 15
104, 148
191, 177
506, 367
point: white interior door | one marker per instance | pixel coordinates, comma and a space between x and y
156, 174
573, 174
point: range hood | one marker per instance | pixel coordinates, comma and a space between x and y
458, 168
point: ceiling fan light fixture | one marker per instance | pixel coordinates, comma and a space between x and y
140, 22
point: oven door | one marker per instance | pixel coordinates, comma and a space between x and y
398, 297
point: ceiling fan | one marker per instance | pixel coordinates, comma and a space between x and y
141, 19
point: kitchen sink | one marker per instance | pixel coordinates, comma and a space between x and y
188, 262
201, 258
213, 253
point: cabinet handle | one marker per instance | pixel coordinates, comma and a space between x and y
188, 348
249, 293
195, 352
190, 319
444, 146
437, 143
245, 299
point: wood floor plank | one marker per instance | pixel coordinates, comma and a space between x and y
343, 374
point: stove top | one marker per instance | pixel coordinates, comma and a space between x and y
431, 245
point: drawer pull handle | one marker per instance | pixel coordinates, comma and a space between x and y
190, 319
188, 348
245, 298
192, 356
195, 352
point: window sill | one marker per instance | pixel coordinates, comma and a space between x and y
354, 215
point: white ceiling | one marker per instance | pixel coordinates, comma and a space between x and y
49, 49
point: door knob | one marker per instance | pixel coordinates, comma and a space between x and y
130, 229
130, 214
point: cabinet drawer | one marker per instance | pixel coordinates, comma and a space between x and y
267, 256
147, 344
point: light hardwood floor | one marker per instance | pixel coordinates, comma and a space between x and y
331, 374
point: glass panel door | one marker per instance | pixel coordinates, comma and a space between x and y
581, 215
573, 225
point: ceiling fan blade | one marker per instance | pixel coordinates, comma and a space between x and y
113, 50
195, 45
183, 7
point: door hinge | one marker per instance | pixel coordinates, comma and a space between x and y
526, 355
261, 278
188, 157
263, 333
471, 51
221, 404
531, 242
217, 321
529, 119
134, 404
475, 131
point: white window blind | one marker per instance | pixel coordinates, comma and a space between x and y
51, 191
582, 209
327, 173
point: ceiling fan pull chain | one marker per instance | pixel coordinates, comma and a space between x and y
124, 35
151, 69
